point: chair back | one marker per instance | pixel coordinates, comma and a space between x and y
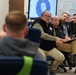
22, 66
34, 35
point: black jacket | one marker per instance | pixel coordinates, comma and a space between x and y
68, 27
73, 28
59, 32
46, 44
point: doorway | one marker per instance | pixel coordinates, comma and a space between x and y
16, 5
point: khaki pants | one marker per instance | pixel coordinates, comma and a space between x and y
68, 47
57, 55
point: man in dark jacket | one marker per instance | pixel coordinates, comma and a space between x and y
49, 40
73, 26
64, 24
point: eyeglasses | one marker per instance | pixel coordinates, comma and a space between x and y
47, 16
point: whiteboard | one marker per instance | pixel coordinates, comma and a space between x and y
68, 6
36, 7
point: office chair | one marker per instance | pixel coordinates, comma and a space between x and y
68, 61
34, 35
22, 66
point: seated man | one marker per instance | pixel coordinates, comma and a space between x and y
48, 40
69, 46
73, 26
13, 42
64, 24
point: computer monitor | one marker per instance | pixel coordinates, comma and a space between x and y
36, 7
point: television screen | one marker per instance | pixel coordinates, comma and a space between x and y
36, 7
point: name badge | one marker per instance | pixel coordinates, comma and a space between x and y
50, 28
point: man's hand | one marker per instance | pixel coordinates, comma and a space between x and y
58, 41
67, 39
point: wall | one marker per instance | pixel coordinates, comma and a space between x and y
68, 6
26, 7
4, 8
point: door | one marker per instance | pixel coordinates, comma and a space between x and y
16, 5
